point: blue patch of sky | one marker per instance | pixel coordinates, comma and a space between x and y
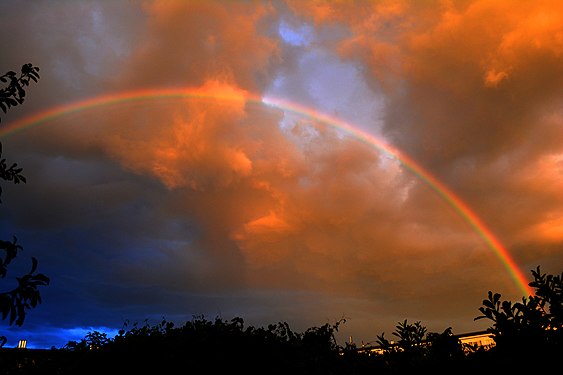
320, 79
300, 35
49, 337
323, 81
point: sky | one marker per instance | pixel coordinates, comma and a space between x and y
282, 161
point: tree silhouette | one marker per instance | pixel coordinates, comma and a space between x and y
533, 327
529, 335
416, 348
411, 337
15, 302
14, 93
202, 345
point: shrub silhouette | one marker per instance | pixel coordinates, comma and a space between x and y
528, 334
208, 345
418, 349
531, 328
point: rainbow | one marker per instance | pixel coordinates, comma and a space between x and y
223, 93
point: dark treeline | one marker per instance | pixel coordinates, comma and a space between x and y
528, 336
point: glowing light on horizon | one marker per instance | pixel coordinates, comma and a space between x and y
215, 91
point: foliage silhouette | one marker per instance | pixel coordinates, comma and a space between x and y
416, 348
445, 346
533, 327
208, 345
14, 93
411, 337
15, 302
218, 345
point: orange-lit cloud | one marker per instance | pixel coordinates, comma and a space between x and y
472, 84
194, 41
199, 150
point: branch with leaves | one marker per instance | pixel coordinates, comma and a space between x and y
24, 297
15, 303
538, 319
14, 93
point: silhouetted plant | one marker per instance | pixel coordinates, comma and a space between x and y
210, 345
411, 338
417, 349
93, 340
25, 295
218, 346
10, 173
531, 327
14, 93
445, 345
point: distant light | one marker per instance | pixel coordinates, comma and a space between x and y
22, 344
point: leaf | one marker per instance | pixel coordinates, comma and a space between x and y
488, 304
33, 265
42, 278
